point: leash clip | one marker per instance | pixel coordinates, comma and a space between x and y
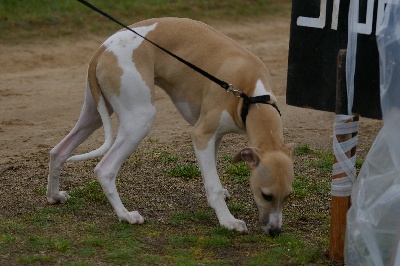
235, 92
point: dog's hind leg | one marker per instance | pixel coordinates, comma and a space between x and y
88, 122
135, 121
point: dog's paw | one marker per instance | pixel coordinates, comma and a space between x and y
61, 197
236, 225
227, 196
132, 217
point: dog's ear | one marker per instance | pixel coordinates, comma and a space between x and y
249, 155
291, 147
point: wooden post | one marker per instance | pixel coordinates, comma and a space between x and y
340, 205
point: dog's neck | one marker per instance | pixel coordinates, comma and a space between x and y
264, 127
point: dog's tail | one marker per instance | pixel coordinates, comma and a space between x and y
105, 118
108, 132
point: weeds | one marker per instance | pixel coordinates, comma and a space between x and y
238, 172
166, 158
185, 217
187, 171
91, 192
291, 247
35, 259
177, 237
303, 149
49, 18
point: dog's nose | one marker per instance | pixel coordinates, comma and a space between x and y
274, 231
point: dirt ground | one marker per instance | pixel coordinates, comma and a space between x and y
42, 89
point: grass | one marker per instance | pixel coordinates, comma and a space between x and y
48, 18
287, 246
303, 149
85, 232
166, 158
184, 217
238, 172
91, 191
186, 171
180, 228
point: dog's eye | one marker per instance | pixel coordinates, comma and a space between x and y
267, 197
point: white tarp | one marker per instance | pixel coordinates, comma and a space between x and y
373, 221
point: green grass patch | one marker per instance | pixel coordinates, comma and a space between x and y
237, 207
303, 149
359, 163
184, 240
86, 252
324, 162
35, 259
40, 191
217, 237
217, 241
166, 158
79, 233
95, 241
287, 250
49, 18
300, 186
238, 172
7, 239
91, 191
135, 162
62, 245
186, 171
304, 186
318, 159
187, 217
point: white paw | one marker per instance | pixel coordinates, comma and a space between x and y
227, 196
236, 225
132, 217
61, 197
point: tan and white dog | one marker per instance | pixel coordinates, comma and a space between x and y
121, 78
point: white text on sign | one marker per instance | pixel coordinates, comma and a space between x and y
363, 28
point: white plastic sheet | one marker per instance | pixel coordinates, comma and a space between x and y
373, 221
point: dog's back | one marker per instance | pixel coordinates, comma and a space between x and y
191, 40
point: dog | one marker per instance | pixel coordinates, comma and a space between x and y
121, 79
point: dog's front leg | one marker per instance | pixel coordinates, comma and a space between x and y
205, 149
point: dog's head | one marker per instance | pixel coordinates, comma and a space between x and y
271, 176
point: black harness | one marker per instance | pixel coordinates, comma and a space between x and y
264, 99
254, 100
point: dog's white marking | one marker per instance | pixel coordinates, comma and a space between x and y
184, 109
228, 125
260, 89
275, 219
127, 40
122, 45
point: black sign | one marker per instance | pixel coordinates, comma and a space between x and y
318, 31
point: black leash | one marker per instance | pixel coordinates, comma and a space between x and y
222, 83
228, 87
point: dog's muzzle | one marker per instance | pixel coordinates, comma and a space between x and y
273, 228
